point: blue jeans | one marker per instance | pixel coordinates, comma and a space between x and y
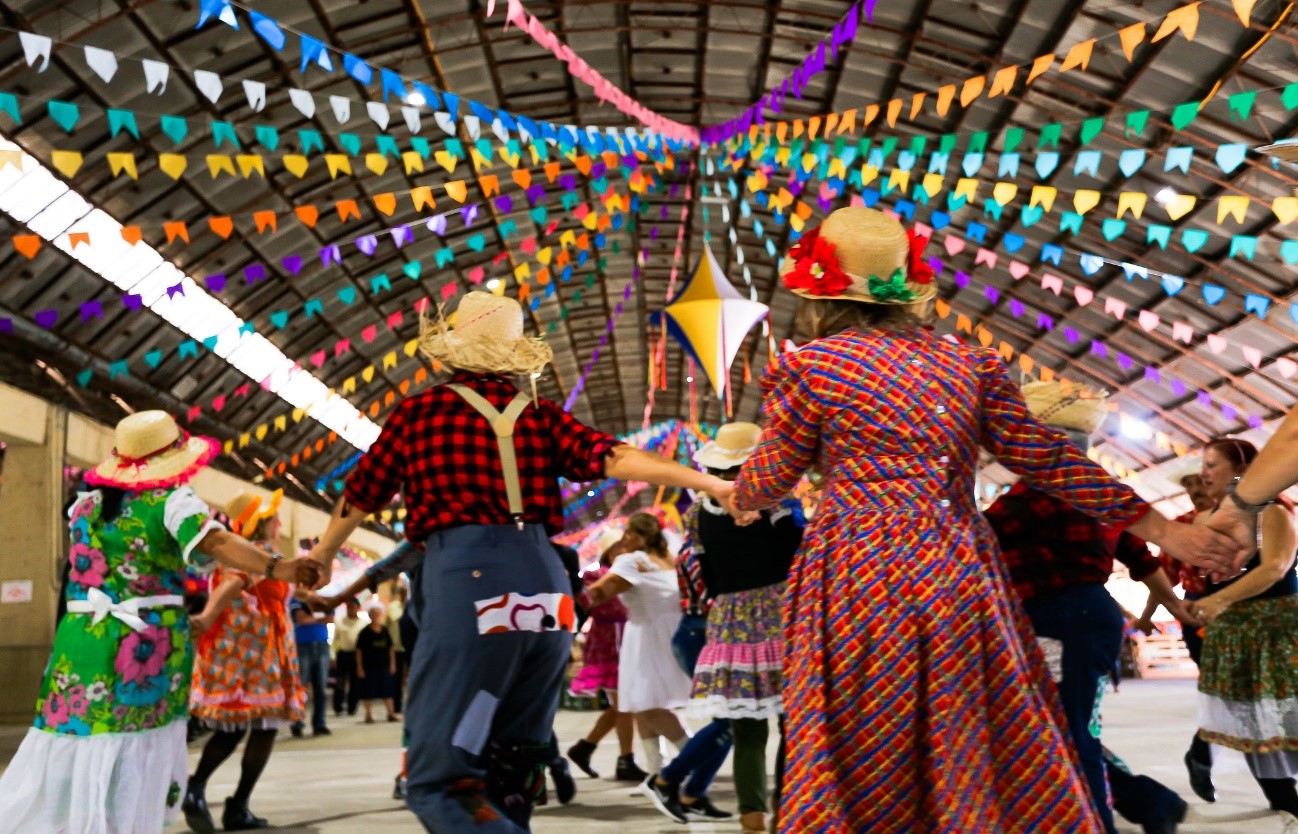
313, 669
688, 641
703, 754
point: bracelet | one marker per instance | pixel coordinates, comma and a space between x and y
1241, 503
271, 563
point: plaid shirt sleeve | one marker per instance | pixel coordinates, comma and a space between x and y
689, 573
377, 477
790, 436
582, 450
1135, 554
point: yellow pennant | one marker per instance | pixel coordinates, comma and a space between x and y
218, 163
1286, 209
446, 160
67, 162
296, 164
173, 164
1005, 192
413, 161
378, 163
1085, 200
1044, 196
1133, 201
338, 163
412, 347
250, 163
123, 163
1233, 205
932, 184
1179, 205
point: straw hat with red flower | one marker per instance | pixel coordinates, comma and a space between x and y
860, 254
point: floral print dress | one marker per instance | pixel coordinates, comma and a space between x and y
106, 754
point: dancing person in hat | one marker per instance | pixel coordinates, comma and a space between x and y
245, 680
478, 463
1059, 560
737, 677
1248, 680
107, 752
912, 705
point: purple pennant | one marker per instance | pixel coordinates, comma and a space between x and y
505, 203
6, 325
436, 224
1254, 421
175, 290
47, 318
961, 279
367, 244
653, 233
626, 293
469, 213
825, 203
568, 182
619, 308
593, 358
92, 309
1044, 322
1099, 349
603, 340
1124, 361
1071, 335
1178, 387
795, 187
331, 253
664, 212
1152, 374
292, 263
1228, 411
1204, 398
216, 282
535, 194
1016, 307
402, 235
937, 265
674, 190
132, 301
991, 294
252, 273
597, 170
869, 9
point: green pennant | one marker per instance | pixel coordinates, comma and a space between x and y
1090, 129
1050, 135
421, 146
947, 143
1013, 137
1136, 123
1185, 114
978, 142
64, 113
590, 280
601, 263
9, 104
1070, 222
268, 136
1241, 104
310, 139
917, 145
387, 145
992, 209
119, 120
175, 127
1290, 96
351, 143
224, 132
888, 146
863, 149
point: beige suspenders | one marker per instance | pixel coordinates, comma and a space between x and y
502, 423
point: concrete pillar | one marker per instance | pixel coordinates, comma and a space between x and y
33, 547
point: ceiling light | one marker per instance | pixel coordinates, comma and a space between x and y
1135, 428
416, 99
1164, 196
493, 284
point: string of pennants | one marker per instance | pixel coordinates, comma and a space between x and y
654, 438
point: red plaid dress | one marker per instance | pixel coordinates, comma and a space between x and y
916, 700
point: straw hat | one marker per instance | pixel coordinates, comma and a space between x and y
734, 443
607, 539
487, 338
248, 509
860, 254
152, 452
1066, 407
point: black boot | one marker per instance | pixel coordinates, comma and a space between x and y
579, 754
627, 771
197, 815
565, 787
237, 817
1200, 778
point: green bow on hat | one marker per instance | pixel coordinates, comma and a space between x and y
891, 289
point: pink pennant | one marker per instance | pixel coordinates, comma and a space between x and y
1053, 283
421, 306
858, 201
1216, 343
448, 291
369, 334
1252, 354
529, 245
196, 411
1182, 332
341, 347
1084, 295
394, 320
922, 229
1149, 320
986, 256
954, 245
476, 274
1019, 269
1287, 367
1115, 308
318, 358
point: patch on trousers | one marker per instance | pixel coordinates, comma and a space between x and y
469, 793
526, 612
1095, 724
474, 727
1054, 651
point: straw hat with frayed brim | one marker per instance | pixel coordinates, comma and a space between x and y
248, 509
487, 338
1066, 407
860, 254
152, 452
734, 444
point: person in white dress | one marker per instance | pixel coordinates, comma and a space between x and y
650, 682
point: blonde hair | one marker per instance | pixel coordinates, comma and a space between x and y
821, 317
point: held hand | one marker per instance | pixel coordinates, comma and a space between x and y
1144, 625
1204, 548
200, 623
1184, 612
1240, 526
325, 564
302, 571
1210, 608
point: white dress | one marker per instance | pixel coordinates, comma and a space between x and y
648, 675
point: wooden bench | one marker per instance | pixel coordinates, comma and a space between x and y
1162, 655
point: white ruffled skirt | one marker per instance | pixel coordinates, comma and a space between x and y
112, 783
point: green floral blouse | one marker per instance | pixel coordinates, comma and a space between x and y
113, 670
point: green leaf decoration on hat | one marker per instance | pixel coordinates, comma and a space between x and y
892, 289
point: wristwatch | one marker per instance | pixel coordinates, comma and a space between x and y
1240, 502
271, 563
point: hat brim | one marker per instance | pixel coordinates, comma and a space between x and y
715, 457
859, 291
164, 471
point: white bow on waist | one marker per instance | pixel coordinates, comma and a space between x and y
100, 605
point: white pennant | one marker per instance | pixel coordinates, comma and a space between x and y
498, 128
342, 107
379, 114
303, 101
103, 62
155, 75
474, 125
36, 48
209, 84
256, 93
413, 122
444, 121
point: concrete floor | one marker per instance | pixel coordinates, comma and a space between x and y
343, 783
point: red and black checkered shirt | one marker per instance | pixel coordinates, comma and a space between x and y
442, 455
1049, 546
1179, 573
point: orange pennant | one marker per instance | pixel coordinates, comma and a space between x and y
552, 170
456, 190
894, 110
1040, 65
523, 177
308, 215
945, 95
916, 104
132, 234
176, 229
813, 127
75, 239
423, 196
972, 88
27, 245
222, 226
583, 164
347, 208
265, 220
1185, 19
386, 203
490, 185
1131, 37
1079, 57
1003, 81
